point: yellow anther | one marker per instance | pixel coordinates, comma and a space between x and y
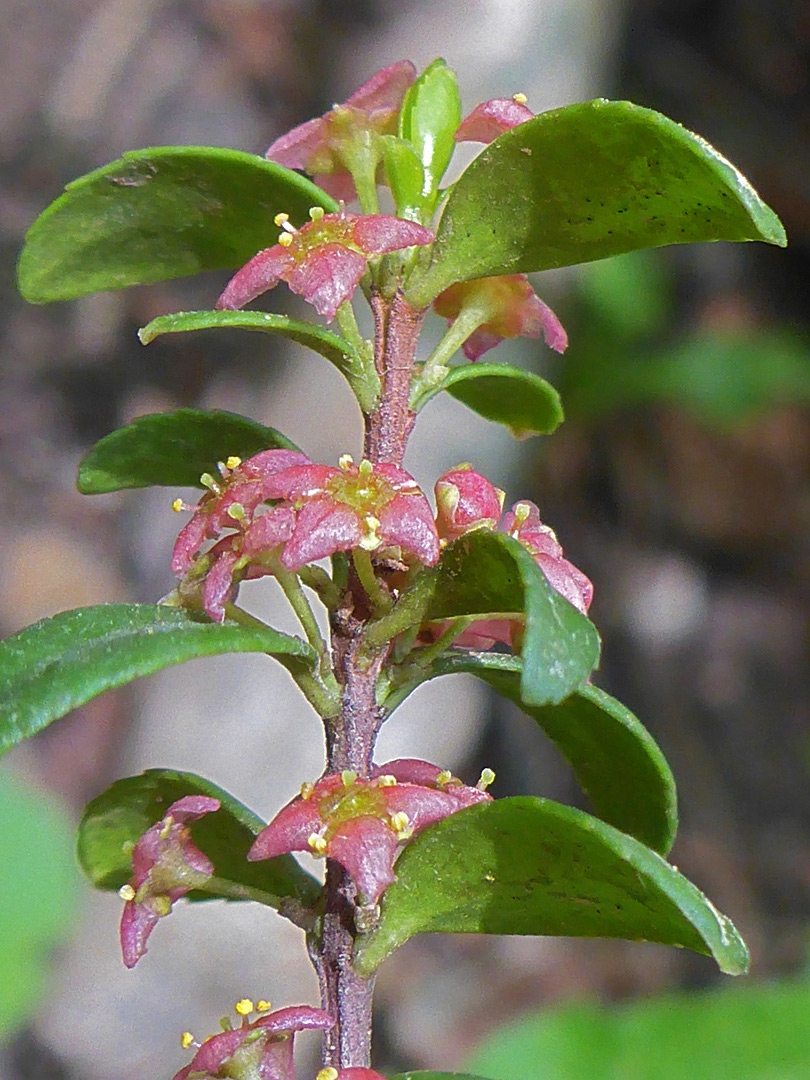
127, 893
463, 465
207, 480
365, 468
317, 844
522, 512
386, 781
306, 790
401, 825
371, 541
346, 461
236, 511
280, 219
444, 777
327, 1074
501, 496
178, 505
186, 1040
233, 462
244, 1007
263, 1006
348, 777
285, 239
487, 776
316, 212
520, 99
160, 905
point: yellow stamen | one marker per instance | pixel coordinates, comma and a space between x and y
285, 239
345, 461
522, 512
401, 825
371, 541
306, 790
386, 781
444, 777
348, 777
244, 1007
501, 496
487, 776
207, 480
280, 219
317, 844
178, 505
233, 462
327, 1074
365, 467
316, 212
127, 893
520, 99
236, 511
263, 1006
186, 1040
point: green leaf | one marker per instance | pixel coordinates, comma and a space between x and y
117, 818
329, 345
172, 450
520, 400
530, 866
750, 1030
157, 214
430, 115
616, 761
62, 662
489, 574
39, 897
585, 182
405, 176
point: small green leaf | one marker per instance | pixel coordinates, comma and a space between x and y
489, 574
62, 662
585, 182
616, 761
172, 450
117, 818
430, 115
329, 345
405, 176
520, 400
530, 866
157, 214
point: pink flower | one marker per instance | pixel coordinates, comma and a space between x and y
362, 823
330, 147
523, 522
465, 500
166, 865
324, 260
507, 307
356, 506
258, 1050
492, 118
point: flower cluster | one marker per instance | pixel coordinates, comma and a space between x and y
361, 823
466, 501
316, 510
166, 865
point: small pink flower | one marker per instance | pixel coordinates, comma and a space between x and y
362, 823
166, 865
257, 1050
492, 118
523, 522
330, 145
465, 500
356, 506
508, 307
324, 260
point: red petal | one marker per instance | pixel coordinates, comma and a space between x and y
567, 580
465, 500
289, 831
137, 923
326, 277
492, 118
305, 144
296, 1018
366, 849
188, 543
423, 805
269, 462
219, 588
269, 531
409, 771
377, 234
407, 522
263, 272
386, 89
191, 807
321, 528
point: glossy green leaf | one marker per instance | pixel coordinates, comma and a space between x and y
62, 662
40, 894
489, 574
584, 182
750, 1030
157, 214
405, 176
616, 761
430, 115
172, 450
117, 818
520, 400
531, 866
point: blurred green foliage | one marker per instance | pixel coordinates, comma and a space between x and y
744, 1032
39, 896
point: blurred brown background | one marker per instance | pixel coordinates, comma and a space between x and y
693, 529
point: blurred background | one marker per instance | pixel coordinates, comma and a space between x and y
680, 483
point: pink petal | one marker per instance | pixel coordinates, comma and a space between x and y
407, 522
326, 277
479, 342
137, 923
296, 1018
338, 184
215, 1051
465, 500
192, 807
300, 481
409, 771
298, 148
322, 527
485, 633
492, 118
540, 318
366, 848
188, 543
567, 580
289, 830
219, 588
268, 531
263, 272
357, 1072
386, 89
377, 234
269, 462
423, 805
